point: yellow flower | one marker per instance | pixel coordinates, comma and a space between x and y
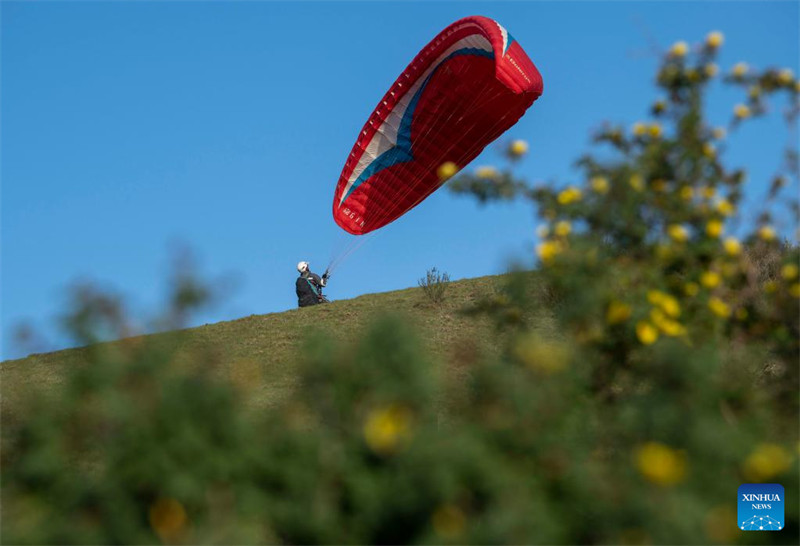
448, 522
709, 150
660, 464
714, 39
766, 462
708, 192
446, 170
741, 111
754, 91
168, 519
719, 133
548, 250
618, 312
711, 70
665, 301
670, 306
486, 172
569, 195
719, 307
739, 70
655, 130
785, 76
667, 325
563, 228
686, 193
637, 182
724, 207
732, 246
672, 328
386, 428
542, 354
767, 233
678, 233
710, 279
794, 290
639, 128
770, 287
714, 228
789, 271
646, 332
543, 231
599, 184
691, 288
518, 148
679, 49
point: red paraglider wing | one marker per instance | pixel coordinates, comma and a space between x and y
461, 92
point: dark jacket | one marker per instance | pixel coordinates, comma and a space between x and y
308, 289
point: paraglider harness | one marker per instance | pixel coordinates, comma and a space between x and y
316, 284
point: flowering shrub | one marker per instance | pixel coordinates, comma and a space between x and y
681, 317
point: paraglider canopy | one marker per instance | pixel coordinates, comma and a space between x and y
462, 91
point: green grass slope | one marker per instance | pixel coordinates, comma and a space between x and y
262, 351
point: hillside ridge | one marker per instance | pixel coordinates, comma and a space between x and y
268, 346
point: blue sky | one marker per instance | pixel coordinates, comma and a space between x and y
130, 128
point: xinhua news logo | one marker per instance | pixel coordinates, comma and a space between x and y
760, 507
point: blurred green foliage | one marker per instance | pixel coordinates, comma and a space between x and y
671, 377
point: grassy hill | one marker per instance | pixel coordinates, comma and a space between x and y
376, 440
262, 350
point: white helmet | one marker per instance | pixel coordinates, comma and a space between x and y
302, 267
